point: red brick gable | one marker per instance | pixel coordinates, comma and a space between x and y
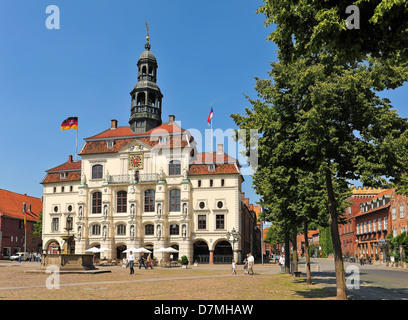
389, 191
11, 205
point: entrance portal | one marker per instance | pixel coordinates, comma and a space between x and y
223, 252
201, 252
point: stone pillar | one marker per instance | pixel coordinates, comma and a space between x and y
211, 256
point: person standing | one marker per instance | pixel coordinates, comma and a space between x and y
246, 265
251, 261
131, 260
233, 267
282, 263
149, 262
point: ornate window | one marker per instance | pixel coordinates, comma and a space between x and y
149, 230
174, 200
174, 229
121, 202
174, 167
97, 171
96, 230
121, 230
149, 200
97, 202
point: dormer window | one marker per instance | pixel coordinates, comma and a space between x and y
174, 167
162, 140
110, 144
63, 175
211, 167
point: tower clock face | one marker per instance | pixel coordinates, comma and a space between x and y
136, 161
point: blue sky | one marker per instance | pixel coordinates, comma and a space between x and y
207, 52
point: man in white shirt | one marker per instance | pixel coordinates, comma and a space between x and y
131, 260
251, 264
282, 262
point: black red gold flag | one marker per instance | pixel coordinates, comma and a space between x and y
70, 123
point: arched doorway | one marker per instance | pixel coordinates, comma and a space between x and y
223, 252
201, 253
175, 254
149, 247
53, 248
119, 251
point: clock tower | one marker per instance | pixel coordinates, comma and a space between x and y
146, 97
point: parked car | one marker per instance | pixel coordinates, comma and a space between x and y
16, 256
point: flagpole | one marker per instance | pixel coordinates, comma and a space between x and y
212, 148
25, 233
262, 241
76, 146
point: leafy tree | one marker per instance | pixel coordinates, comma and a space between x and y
395, 243
38, 226
321, 113
327, 119
306, 28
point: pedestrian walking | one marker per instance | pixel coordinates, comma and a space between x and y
234, 271
141, 262
251, 262
131, 261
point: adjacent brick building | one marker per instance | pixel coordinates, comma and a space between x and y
12, 231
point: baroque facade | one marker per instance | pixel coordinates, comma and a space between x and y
145, 185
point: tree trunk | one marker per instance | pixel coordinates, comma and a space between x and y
295, 257
287, 253
338, 259
308, 274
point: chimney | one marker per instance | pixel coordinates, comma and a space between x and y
114, 124
220, 148
172, 118
69, 158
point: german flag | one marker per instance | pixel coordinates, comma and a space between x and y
70, 123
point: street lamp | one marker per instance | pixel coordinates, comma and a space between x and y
234, 235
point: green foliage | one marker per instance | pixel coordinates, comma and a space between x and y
325, 241
395, 243
38, 226
307, 28
184, 260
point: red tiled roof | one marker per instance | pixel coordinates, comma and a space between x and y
124, 136
92, 147
56, 177
123, 132
214, 157
222, 164
71, 168
11, 205
67, 166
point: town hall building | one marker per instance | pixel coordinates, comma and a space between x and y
146, 185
